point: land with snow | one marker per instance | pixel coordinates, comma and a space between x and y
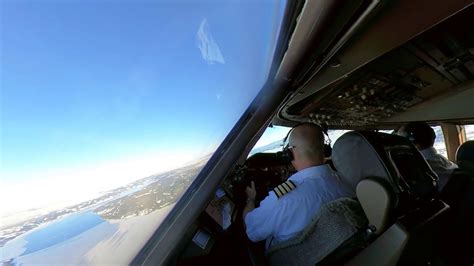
129, 213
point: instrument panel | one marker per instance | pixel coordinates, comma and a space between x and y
267, 170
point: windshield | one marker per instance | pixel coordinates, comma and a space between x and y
271, 140
109, 109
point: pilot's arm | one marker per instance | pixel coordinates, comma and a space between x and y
260, 221
251, 194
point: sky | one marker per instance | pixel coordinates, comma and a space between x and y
95, 94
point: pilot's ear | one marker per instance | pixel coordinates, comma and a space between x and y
292, 152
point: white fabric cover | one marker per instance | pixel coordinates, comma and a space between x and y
375, 199
355, 159
337, 222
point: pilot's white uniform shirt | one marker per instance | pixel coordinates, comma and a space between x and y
279, 219
441, 166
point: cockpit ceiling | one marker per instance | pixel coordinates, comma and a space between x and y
431, 65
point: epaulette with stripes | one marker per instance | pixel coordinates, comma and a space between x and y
284, 188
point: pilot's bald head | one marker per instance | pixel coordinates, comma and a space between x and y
307, 141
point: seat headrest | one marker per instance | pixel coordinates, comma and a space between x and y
361, 154
465, 152
355, 159
465, 157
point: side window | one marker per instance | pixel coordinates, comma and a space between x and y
440, 144
469, 132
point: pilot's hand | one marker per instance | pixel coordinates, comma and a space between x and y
251, 192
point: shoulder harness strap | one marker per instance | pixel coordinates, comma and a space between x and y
284, 188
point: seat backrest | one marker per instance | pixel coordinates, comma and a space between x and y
358, 155
355, 159
459, 230
397, 190
336, 222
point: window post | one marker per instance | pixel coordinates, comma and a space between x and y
454, 135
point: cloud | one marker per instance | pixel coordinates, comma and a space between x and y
209, 49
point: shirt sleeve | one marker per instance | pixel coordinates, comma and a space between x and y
260, 221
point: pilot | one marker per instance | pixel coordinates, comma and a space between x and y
288, 209
423, 137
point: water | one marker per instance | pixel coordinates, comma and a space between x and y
57, 232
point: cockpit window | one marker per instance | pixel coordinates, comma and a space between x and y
109, 109
469, 132
440, 144
386, 131
271, 140
334, 134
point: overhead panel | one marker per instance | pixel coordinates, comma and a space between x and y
429, 66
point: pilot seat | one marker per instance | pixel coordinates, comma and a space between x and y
397, 190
